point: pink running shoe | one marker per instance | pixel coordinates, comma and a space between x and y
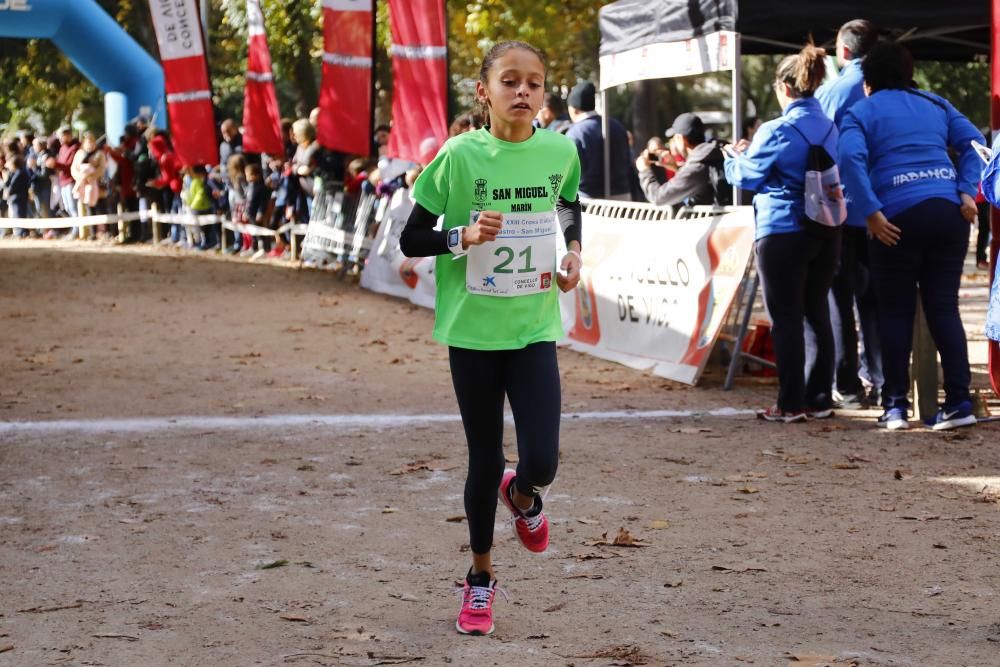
476, 615
532, 531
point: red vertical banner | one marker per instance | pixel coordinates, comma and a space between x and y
345, 100
420, 79
994, 346
261, 117
189, 95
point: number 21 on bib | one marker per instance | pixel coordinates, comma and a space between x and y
521, 261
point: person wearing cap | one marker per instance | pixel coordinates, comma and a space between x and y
692, 183
586, 132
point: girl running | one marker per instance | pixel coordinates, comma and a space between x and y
505, 191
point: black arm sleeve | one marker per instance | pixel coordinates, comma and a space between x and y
571, 220
419, 238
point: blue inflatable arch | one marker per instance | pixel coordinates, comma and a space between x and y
130, 78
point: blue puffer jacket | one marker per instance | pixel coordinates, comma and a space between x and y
774, 165
895, 151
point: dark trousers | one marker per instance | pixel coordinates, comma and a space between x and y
852, 288
529, 378
934, 238
983, 238
795, 272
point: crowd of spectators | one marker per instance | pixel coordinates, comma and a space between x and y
68, 175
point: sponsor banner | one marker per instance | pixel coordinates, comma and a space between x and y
345, 101
420, 79
261, 116
654, 295
387, 270
714, 52
189, 95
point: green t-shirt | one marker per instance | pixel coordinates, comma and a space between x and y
476, 171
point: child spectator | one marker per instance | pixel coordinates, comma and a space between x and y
235, 170
258, 198
16, 184
199, 202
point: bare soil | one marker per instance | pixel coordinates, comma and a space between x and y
829, 541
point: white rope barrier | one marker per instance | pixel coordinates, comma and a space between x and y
185, 219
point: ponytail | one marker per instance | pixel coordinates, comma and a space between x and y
803, 72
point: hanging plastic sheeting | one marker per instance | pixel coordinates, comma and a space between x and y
420, 79
189, 94
261, 117
345, 101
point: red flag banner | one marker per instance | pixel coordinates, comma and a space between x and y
420, 79
261, 117
345, 101
189, 94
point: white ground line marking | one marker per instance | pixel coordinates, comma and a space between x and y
356, 422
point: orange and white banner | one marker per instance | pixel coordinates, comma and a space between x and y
345, 100
189, 95
261, 116
654, 295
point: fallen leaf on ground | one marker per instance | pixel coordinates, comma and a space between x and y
455, 519
623, 539
901, 475
42, 610
585, 576
555, 607
673, 584
749, 489
588, 522
539, 636
6, 647
389, 510
817, 661
405, 597
857, 458
595, 556
846, 466
738, 568
430, 466
114, 635
297, 618
691, 430
629, 654
659, 524
393, 659
273, 564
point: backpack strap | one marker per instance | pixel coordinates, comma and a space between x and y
822, 141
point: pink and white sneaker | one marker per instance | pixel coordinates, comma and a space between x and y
532, 531
476, 615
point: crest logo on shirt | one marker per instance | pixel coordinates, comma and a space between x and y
555, 180
479, 195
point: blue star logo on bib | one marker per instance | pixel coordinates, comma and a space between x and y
489, 281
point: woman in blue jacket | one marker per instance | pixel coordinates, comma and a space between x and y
796, 257
918, 207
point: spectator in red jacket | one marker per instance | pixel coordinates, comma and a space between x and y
170, 180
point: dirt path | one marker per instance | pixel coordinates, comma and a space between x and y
144, 543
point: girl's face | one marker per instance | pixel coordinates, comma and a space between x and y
514, 88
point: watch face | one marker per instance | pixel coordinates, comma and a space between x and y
453, 237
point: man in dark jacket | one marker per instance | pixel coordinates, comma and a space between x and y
586, 133
694, 160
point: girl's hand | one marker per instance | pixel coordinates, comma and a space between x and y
880, 228
569, 274
484, 230
969, 210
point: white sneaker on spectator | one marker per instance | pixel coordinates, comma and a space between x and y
260, 254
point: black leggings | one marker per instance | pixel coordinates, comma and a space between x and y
529, 377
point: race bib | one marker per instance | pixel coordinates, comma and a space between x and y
521, 261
